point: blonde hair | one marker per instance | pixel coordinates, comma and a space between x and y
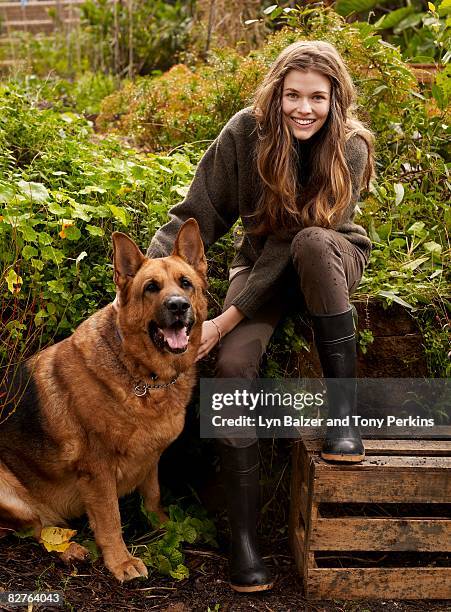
282, 203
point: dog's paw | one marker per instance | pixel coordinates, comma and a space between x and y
75, 552
129, 569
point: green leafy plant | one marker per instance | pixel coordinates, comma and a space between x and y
164, 550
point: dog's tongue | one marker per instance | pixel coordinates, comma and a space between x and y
176, 338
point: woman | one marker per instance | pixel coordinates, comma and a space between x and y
291, 167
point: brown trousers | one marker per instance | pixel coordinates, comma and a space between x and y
327, 269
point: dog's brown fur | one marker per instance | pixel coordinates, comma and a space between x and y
77, 436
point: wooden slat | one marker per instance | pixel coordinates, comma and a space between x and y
420, 448
386, 463
379, 583
385, 480
297, 547
367, 534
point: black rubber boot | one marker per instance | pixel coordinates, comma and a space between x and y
240, 475
336, 344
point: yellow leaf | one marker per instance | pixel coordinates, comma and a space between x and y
56, 538
431, 6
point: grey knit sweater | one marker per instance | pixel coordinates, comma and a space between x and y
225, 187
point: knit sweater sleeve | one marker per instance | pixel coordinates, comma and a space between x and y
212, 198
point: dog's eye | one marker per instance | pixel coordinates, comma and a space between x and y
152, 287
185, 283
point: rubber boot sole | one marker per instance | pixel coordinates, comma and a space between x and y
252, 589
340, 458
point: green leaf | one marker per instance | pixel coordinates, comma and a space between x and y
444, 8
346, 7
39, 316
399, 191
48, 253
72, 232
45, 238
92, 189
28, 233
181, 572
434, 248
393, 18
417, 228
413, 265
34, 191
95, 231
270, 9
56, 209
443, 79
409, 22
28, 252
119, 214
56, 286
392, 296
14, 281
373, 232
163, 565
176, 514
189, 533
6, 194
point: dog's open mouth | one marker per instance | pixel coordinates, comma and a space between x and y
174, 338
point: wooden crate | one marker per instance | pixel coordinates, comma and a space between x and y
346, 515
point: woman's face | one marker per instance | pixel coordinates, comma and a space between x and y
305, 102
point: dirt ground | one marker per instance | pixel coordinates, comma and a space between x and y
24, 565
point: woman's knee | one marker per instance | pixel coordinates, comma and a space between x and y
312, 242
236, 366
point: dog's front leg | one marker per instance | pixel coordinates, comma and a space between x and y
99, 493
150, 490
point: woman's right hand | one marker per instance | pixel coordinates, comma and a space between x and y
214, 329
210, 337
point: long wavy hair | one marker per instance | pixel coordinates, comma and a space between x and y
283, 203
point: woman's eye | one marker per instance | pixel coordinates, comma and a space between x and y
185, 283
152, 287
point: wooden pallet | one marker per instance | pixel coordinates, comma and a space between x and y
321, 519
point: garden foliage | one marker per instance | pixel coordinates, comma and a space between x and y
64, 189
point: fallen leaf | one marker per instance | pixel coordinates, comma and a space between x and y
56, 538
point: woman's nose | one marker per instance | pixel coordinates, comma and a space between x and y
304, 106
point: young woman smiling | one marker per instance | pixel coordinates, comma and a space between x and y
291, 167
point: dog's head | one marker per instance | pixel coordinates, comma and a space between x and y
161, 303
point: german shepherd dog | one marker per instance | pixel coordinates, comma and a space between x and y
86, 420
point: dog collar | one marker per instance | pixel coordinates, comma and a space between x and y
141, 388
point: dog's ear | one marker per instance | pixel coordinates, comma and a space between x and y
127, 259
189, 246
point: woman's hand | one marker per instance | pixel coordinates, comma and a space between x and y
214, 329
211, 334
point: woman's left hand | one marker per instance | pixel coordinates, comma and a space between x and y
210, 338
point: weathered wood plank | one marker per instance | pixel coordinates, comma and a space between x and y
367, 534
419, 448
296, 496
379, 583
390, 486
387, 463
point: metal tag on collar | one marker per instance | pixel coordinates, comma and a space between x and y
140, 389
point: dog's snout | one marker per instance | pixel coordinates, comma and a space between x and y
177, 304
